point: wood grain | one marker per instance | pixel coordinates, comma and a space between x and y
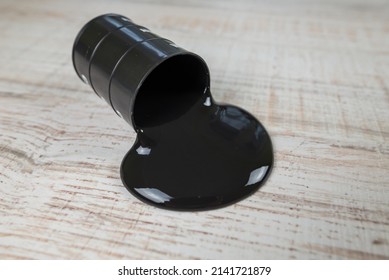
315, 73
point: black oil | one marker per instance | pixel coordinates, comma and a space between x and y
192, 153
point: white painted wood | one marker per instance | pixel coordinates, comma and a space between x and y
314, 72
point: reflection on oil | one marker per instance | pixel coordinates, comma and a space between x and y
207, 101
257, 175
232, 117
154, 195
144, 151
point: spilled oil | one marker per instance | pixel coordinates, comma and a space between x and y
194, 154
190, 153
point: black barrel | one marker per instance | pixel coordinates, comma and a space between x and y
115, 56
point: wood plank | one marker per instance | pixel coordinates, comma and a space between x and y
314, 73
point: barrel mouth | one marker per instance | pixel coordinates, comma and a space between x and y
170, 90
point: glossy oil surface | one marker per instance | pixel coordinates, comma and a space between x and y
193, 154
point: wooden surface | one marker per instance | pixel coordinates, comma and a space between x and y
315, 73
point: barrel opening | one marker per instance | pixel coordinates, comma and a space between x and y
170, 90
